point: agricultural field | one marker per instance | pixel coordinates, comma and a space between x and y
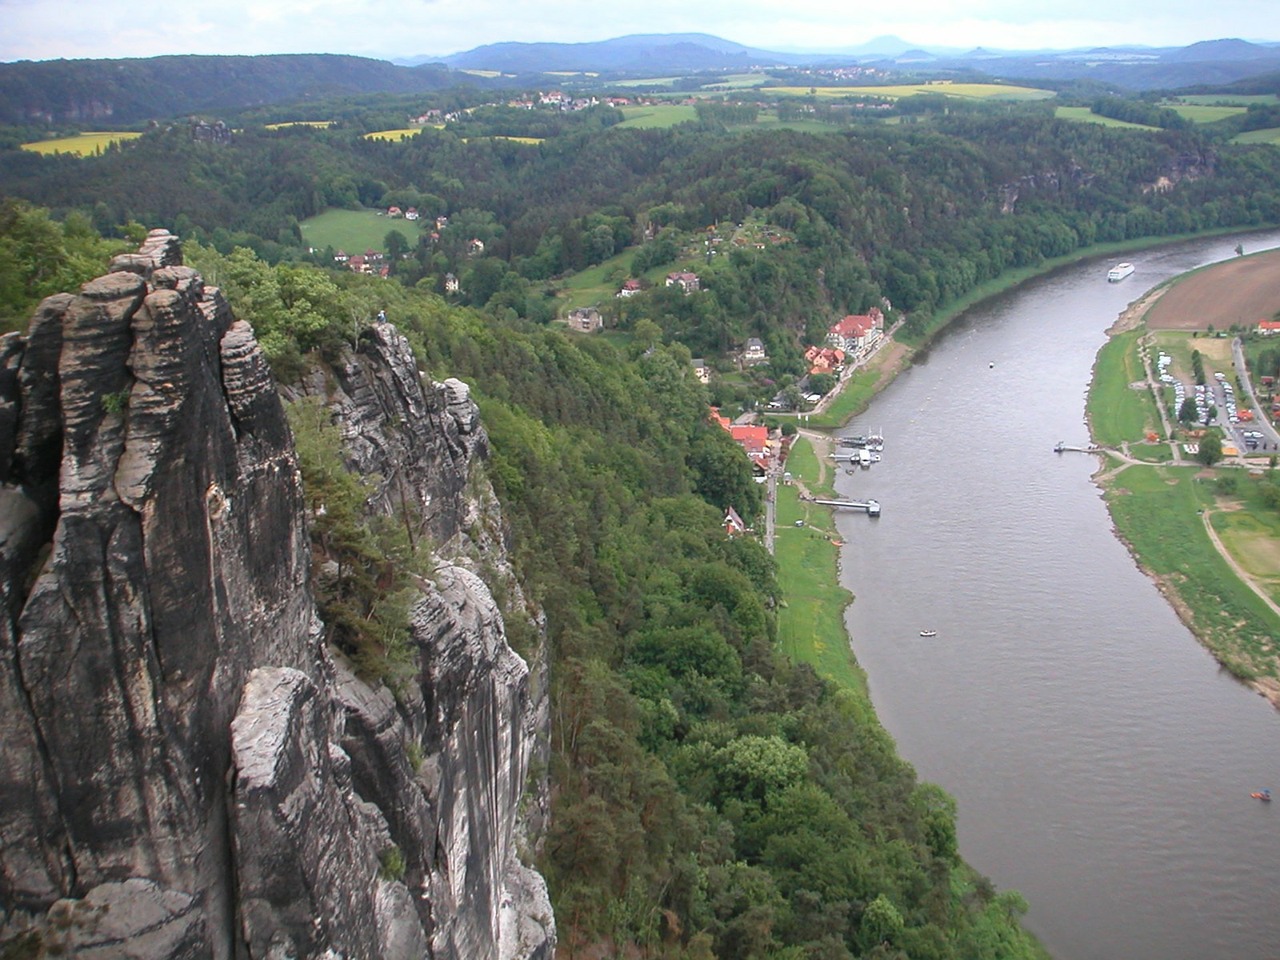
740, 81
1085, 115
402, 134
972, 91
355, 230
1231, 99
657, 117
647, 82
82, 145
1204, 112
532, 140
1195, 302
321, 124
1270, 135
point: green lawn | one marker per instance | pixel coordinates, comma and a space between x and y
740, 81
591, 286
660, 116
1085, 115
1117, 412
1157, 510
811, 625
355, 231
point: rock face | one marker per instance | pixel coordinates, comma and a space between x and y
185, 770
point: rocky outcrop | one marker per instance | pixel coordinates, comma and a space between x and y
185, 771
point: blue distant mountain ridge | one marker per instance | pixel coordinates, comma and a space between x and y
1212, 61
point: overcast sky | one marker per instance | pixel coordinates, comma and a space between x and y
48, 29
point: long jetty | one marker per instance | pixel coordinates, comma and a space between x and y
872, 507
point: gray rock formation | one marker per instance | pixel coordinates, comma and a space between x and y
185, 771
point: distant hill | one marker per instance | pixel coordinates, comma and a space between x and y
127, 91
654, 53
1209, 62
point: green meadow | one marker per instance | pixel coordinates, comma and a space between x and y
657, 117
1085, 115
355, 231
1204, 112
811, 626
1117, 411
1270, 135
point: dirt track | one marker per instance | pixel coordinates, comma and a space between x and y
1251, 285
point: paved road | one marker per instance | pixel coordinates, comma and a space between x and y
1261, 422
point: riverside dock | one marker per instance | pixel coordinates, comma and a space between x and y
871, 507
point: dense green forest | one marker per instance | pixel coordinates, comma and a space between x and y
918, 214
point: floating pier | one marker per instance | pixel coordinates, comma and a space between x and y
872, 507
1061, 447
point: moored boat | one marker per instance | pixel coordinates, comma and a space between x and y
928, 633
1119, 272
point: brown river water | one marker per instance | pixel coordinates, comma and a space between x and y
1101, 760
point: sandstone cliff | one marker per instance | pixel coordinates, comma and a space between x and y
185, 769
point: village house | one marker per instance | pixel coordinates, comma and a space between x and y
341, 256
733, 524
585, 320
754, 441
394, 212
824, 359
451, 284
629, 288
857, 335
475, 247
411, 213
702, 371
688, 282
358, 264
753, 352
1268, 328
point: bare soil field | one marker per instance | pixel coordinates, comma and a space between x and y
1240, 291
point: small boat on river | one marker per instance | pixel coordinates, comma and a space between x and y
1263, 795
1119, 272
934, 633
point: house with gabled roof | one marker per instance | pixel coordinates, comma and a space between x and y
1268, 328
857, 335
629, 288
688, 282
733, 524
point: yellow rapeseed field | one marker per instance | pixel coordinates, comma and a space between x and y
81, 145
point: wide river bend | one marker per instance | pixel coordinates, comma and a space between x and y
1101, 760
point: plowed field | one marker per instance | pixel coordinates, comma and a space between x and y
1243, 290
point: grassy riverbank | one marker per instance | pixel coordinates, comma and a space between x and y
811, 627
1207, 537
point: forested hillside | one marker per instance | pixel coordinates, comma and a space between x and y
129, 91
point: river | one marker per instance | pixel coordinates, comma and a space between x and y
1101, 760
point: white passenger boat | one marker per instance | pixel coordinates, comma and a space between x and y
1119, 272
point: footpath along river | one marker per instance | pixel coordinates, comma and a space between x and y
1101, 760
